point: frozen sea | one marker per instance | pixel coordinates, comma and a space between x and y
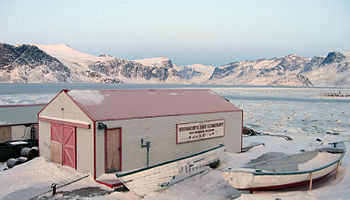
282, 110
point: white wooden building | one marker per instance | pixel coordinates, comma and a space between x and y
102, 131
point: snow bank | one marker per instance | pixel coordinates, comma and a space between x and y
33, 178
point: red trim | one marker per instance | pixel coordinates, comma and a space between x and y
120, 150
22, 105
280, 187
120, 146
67, 123
198, 139
49, 103
37, 115
75, 147
110, 185
65, 91
242, 133
38, 136
105, 144
81, 108
19, 124
94, 127
177, 137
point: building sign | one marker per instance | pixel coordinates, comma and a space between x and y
199, 130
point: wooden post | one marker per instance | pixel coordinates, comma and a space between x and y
310, 186
336, 171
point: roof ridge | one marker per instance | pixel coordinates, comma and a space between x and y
168, 89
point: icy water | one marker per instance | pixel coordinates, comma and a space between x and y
280, 110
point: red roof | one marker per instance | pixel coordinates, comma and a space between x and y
129, 104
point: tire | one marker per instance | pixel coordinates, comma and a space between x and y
13, 162
29, 153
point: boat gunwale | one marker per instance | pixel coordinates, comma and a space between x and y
262, 173
167, 162
299, 172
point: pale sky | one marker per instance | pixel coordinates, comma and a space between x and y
213, 32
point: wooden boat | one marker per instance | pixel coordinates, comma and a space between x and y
149, 179
279, 171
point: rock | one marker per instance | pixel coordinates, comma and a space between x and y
249, 131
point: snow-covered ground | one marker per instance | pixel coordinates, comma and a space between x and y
297, 112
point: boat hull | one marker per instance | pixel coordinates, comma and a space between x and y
267, 175
158, 177
252, 182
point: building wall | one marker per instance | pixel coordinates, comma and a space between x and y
85, 150
84, 137
16, 132
20, 132
44, 139
161, 132
70, 109
5, 133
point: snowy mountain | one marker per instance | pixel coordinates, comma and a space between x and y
291, 70
282, 71
60, 63
27, 63
334, 69
156, 62
196, 73
106, 68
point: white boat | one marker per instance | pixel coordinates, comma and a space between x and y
154, 178
279, 171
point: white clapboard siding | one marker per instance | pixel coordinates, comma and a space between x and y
161, 132
18, 132
159, 177
63, 107
85, 150
44, 139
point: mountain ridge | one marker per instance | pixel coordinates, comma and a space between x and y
32, 63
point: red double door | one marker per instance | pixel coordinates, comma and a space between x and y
63, 144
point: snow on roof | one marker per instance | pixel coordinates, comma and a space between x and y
87, 97
129, 104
